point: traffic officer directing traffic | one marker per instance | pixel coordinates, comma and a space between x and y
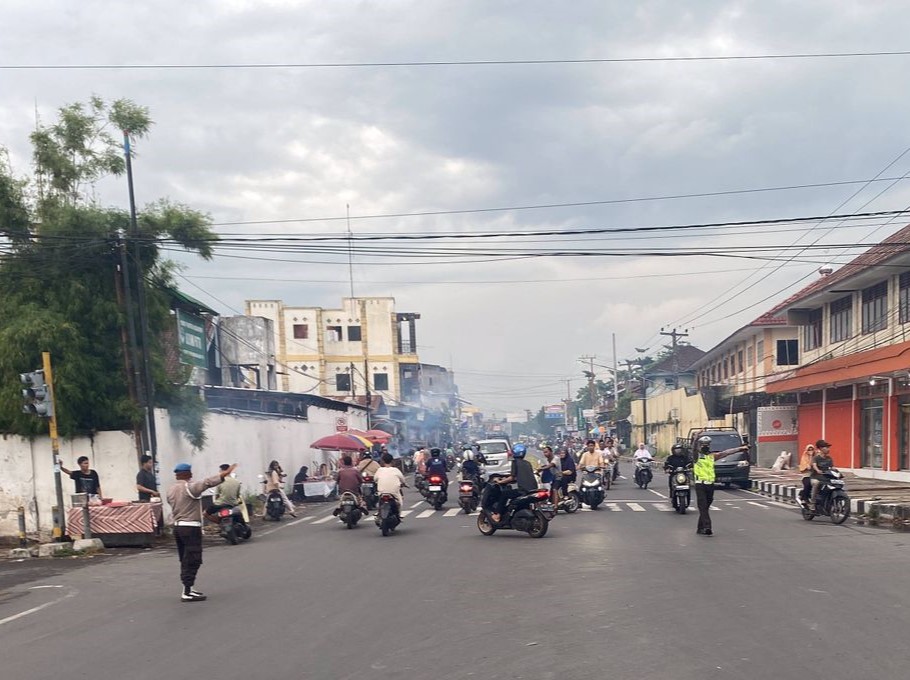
703, 470
186, 507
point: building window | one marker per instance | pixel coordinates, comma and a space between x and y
343, 382
750, 356
354, 333
787, 352
301, 331
842, 319
381, 381
875, 307
333, 333
812, 331
739, 361
760, 352
904, 297
726, 364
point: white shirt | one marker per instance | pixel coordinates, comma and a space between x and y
388, 480
642, 453
609, 454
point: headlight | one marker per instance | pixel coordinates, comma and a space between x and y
681, 478
743, 463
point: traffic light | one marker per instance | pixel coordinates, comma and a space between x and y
36, 395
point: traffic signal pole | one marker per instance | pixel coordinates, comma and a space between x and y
60, 527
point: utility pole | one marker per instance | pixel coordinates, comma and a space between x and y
592, 389
615, 376
674, 336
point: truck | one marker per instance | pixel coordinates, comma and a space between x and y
730, 470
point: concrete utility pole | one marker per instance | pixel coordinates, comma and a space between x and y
592, 389
674, 335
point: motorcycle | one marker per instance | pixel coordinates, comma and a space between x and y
592, 487
349, 510
680, 489
643, 472
368, 491
528, 513
388, 517
468, 495
436, 493
568, 500
232, 522
420, 483
832, 501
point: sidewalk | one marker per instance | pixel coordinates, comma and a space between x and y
874, 501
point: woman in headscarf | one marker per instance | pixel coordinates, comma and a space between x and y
299, 493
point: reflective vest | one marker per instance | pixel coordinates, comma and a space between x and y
704, 469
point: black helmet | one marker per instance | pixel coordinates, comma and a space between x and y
435, 452
676, 448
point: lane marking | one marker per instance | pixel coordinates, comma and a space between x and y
34, 610
613, 507
417, 505
323, 520
405, 513
664, 508
426, 513
452, 512
758, 505
635, 507
658, 493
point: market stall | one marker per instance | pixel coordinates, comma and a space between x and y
118, 524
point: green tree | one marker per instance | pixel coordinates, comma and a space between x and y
59, 272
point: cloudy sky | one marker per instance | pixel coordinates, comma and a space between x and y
296, 145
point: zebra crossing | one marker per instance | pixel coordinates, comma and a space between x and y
420, 511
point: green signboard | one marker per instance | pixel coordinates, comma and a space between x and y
191, 339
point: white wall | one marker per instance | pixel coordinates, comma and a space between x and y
250, 440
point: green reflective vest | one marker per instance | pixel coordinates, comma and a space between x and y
704, 469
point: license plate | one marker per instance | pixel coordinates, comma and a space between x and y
546, 507
435, 488
726, 480
367, 488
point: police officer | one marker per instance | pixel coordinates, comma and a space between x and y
703, 472
186, 507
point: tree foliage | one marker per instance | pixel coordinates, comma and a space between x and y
59, 272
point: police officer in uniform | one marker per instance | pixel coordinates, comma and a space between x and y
703, 471
186, 508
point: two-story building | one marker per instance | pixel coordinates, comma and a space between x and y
852, 382
365, 346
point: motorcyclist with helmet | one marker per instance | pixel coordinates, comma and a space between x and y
469, 467
677, 459
436, 465
521, 474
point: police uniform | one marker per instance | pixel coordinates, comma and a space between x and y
703, 471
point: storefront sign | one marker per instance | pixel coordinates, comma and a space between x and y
191, 339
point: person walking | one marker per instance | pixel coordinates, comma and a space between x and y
704, 474
184, 497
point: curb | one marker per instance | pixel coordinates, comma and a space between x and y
897, 514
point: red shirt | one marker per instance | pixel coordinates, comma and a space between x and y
349, 479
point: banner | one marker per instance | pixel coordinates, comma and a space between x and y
191, 339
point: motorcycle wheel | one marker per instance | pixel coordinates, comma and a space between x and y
595, 505
840, 510
808, 515
230, 535
572, 503
371, 504
539, 525
681, 509
485, 524
247, 533
466, 508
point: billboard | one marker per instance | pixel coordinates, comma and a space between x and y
555, 412
191, 339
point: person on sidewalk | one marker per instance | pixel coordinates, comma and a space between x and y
805, 467
86, 479
184, 498
146, 484
703, 471
821, 463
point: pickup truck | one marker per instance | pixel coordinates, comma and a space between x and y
730, 470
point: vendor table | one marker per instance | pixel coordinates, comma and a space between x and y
127, 525
318, 490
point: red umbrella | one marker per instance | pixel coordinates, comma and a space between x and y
378, 435
338, 442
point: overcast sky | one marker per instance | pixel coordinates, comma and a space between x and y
300, 143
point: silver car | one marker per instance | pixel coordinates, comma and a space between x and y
498, 456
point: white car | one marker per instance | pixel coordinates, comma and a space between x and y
498, 456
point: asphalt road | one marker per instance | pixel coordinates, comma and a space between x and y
628, 591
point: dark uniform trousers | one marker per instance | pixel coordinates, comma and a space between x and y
704, 496
189, 550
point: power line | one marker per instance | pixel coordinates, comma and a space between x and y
462, 62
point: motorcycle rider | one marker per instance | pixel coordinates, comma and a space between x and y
437, 465
610, 451
274, 480
227, 494
521, 474
366, 465
469, 468
591, 456
349, 480
820, 465
703, 471
389, 480
676, 459
568, 470
642, 452
550, 472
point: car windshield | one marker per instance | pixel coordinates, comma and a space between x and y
722, 442
493, 447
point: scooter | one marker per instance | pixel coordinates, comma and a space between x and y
569, 500
528, 513
420, 483
832, 501
468, 495
680, 489
388, 517
436, 494
349, 510
643, 472
232, 522
592, 487
368, 491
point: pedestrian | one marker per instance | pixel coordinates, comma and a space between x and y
703, 471
146, 483
184, 498
85, 479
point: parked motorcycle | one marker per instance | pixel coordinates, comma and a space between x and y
832, 501
468, 495
349, 510
368, 491
232, 522
528, 513
680, 489
592, 487
436, 494
643, 472
388, 517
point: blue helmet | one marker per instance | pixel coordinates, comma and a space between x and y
519, 450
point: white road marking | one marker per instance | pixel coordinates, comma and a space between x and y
327, 518
759, 505
426, 513
417, 505
664, 508
658, 493
9, 619
452, 512
635, 507
613, 507
405, 513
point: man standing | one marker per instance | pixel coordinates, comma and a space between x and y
703, 470
146, 484
186, 508
86, 479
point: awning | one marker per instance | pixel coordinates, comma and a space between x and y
848, 368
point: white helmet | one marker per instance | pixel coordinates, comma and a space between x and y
468, 454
